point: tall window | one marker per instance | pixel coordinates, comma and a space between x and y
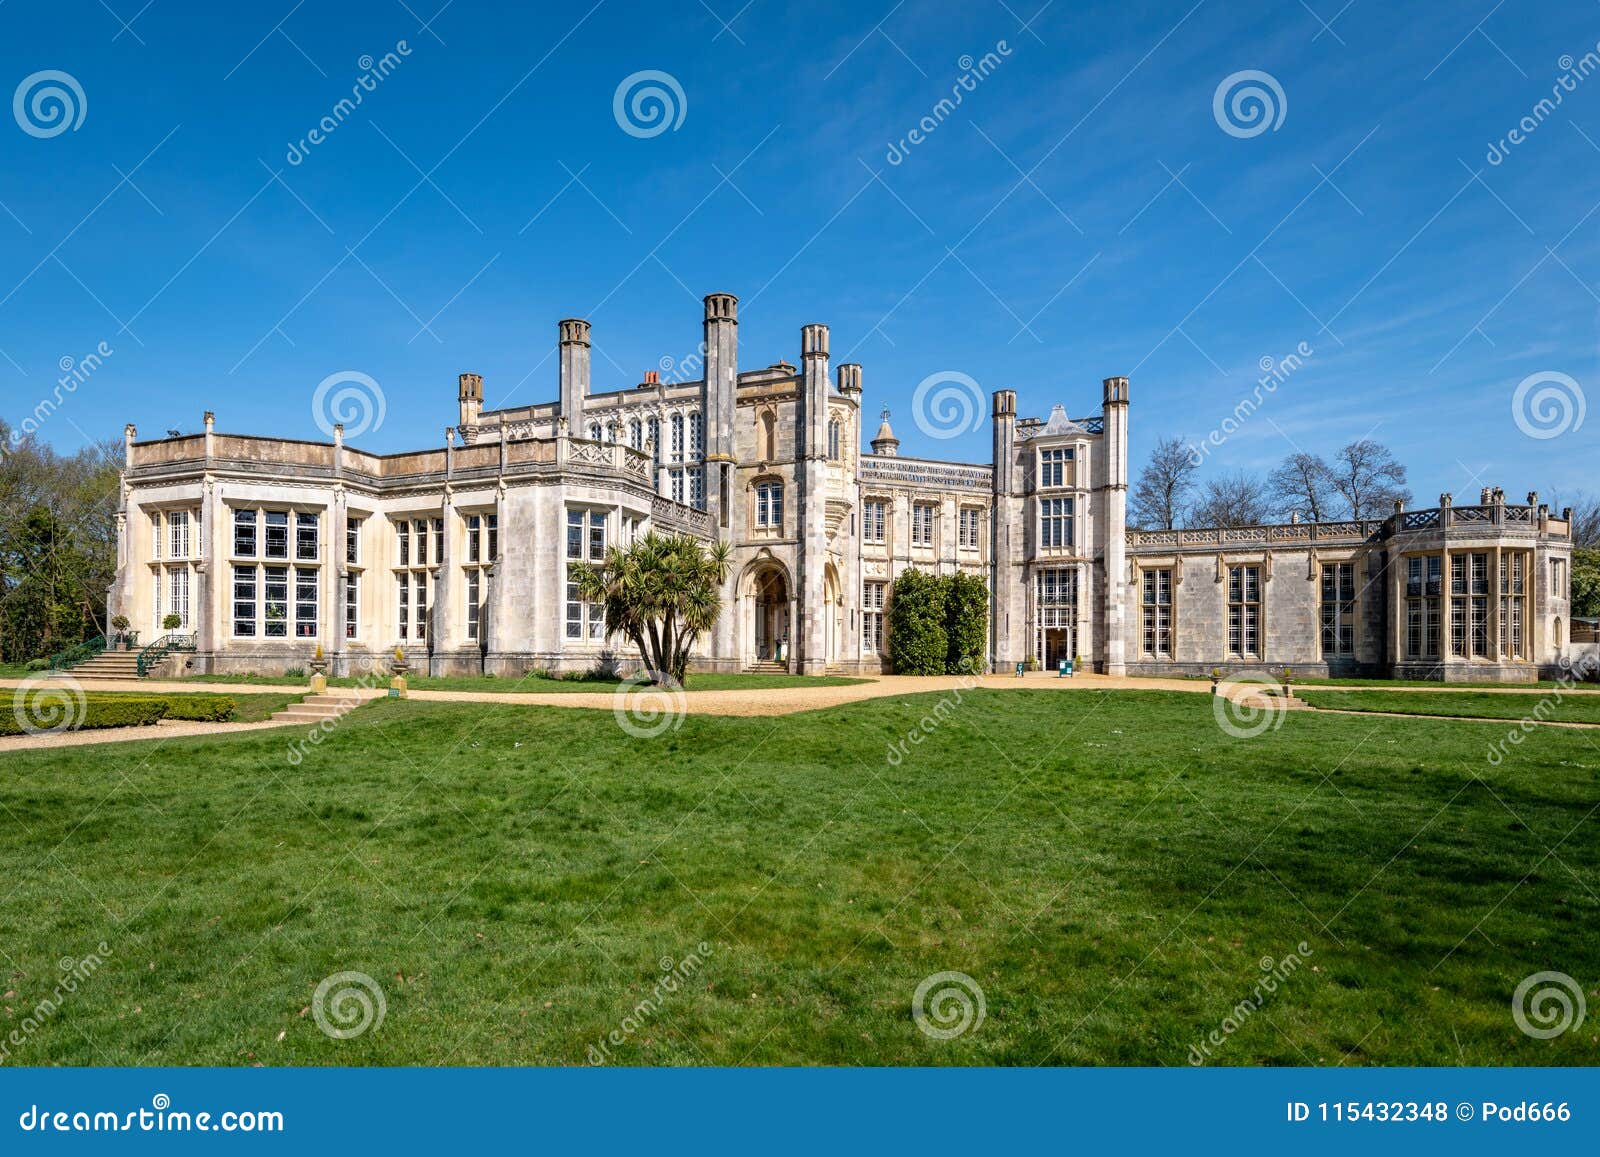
1423, 583
833, 439
305, 537
155, 534
967, 527
1157, 602
244, 601
874, 519
677, 437
178, 597
769, 504
178, 533
482, 546
1469, 605
1339, 608
411, 574
244, 533
275, 601
305, 602
402, 586
277, 534
697, 487
675, 483
586, 541
697, 437
1055, 522
1513, 606
268, 598
352, 541
655, 439
594, 431
1057, 598
872, 616
1053, 466
474, 602
636, 434
922, 524
1244, 612
352, 605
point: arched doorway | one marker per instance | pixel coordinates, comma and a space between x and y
833, 616
770, 618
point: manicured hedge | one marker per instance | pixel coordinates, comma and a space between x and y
966, 623
937, 624
114, 710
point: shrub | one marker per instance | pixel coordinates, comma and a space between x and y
103, 711
36, 665
918, 644
966, 622
201, 708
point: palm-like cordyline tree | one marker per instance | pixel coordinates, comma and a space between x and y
662, 593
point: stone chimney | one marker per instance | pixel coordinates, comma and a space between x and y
574, 373
471, 398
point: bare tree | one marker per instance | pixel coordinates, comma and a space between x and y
1585, 515
1369, 478
1303, 485
1236, 499
1164, 486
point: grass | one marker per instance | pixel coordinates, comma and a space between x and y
545, 685
1464, 704
1356, 682
1111, 869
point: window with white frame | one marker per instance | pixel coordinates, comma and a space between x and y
1244, 612
271, 595
277, 539
244, 533
874, 519
769, 504
275, 601
586, 542
677, 437
1156, 589
483, 545
245, 611
352, 604
1055, 523
1469, 605
178, 534
922, 524
306, 537
968, 522
474, 602
1055, 466
352, 541
155, 534
872, 616
178, 596
411, 576
1056, 598
697, 437
1513, 605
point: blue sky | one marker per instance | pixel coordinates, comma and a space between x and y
1081, 214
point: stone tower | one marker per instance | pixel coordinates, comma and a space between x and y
811, 475
574, 373
1115, 442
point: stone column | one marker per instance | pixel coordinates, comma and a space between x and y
1115, 442
719, 415
811, 476
574, 373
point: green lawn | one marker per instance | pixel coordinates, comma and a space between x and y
1111, 869
1466, 704
544, 685
1299, 682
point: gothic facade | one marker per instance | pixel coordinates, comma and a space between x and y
267, 548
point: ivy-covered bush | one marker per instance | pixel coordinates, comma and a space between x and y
966, 623
918, 644
201, 708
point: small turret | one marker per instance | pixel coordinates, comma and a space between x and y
885, 442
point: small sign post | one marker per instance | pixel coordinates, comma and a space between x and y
1064, 669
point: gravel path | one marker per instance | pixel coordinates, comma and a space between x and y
166, 729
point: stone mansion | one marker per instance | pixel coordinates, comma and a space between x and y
266, 548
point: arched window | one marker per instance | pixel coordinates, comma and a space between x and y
655, 438
677, 437
697, 436
636, 435
833, 439
594, 431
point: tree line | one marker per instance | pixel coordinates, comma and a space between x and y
58, 543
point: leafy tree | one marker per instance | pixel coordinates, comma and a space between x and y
1369, 478
1164, 486
1303, 485
1236, 499
966, 623
1586, 582
918, 641
662, 593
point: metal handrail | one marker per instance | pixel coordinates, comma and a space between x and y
78, 653
158, 650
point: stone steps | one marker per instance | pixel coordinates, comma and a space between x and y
106, 665
317, 708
